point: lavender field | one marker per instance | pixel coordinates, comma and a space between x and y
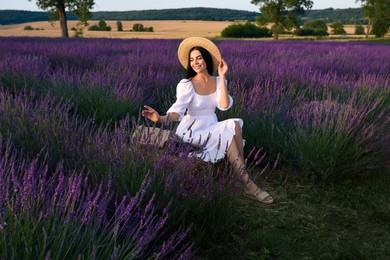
71, 175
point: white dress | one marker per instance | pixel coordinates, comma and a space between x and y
199, 124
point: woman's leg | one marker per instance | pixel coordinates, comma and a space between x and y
238, 138
235, 156
237, 160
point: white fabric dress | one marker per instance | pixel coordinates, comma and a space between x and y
199, 124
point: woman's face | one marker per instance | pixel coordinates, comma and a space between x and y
197, 62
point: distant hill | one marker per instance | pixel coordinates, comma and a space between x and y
197, 13
210, 14
347, 16
15, 17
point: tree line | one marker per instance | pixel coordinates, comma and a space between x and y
207, 14
331, 15
346, 16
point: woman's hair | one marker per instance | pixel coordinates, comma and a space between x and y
207, 58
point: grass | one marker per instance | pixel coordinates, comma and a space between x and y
378, 40
348, 220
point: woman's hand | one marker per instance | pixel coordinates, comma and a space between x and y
222, 68
151, 114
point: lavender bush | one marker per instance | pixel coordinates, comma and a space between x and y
323, 106
60, 216
47, 118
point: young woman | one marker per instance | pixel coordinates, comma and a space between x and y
197, 98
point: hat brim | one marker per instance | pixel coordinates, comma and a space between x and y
187, 44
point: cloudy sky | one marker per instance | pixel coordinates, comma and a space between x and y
126, 5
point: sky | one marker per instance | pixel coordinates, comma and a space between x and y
127, 5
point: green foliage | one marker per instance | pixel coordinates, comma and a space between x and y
139, 27
212, 221
28, 28
80, 8
378, 14
337, 28
380, 27
277, 29
348, 218
378, 40
119, 26
197, 13
247, 30
55, 218
101, 26
103, 104
93, 27
269, 130
319, 24
359, 29
31, 238
56, 9
16, 16
330, 15
78, 30
87, 101
310, 32
284, 13
325, 160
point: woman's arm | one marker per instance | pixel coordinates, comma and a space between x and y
222, 69
154, 116
168, 118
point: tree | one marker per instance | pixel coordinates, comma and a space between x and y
101, 26
318, 24
138, 27
380, 27
247, 30
283, 13
381, 20
56, 8
337, 28
310, 32
378, 15
28, 28
368, 7
359, 29
119, 26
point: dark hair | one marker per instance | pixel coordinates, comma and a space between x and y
207, 58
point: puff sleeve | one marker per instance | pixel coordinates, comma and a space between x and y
184, 95
219, 97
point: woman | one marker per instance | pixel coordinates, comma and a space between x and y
197, 98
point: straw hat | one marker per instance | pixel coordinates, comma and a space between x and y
187, 44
